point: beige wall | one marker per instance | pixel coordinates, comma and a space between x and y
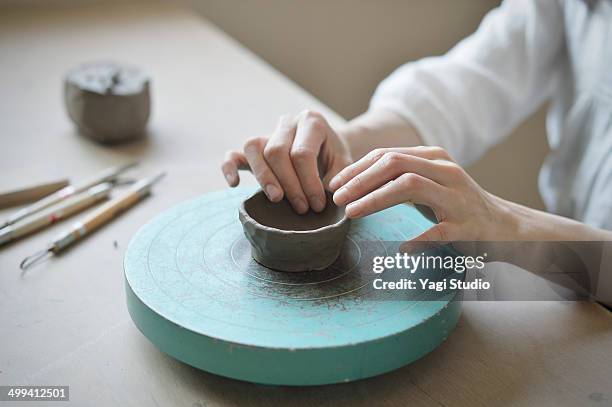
340, 49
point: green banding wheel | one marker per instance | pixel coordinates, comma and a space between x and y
194, 291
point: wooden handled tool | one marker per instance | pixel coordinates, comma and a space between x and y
108, 175
30, 194
50, 216
97, 218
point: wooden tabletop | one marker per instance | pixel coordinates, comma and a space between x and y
65, 321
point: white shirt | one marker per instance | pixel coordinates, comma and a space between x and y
524, 53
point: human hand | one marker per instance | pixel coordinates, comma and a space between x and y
426, 176
287, 164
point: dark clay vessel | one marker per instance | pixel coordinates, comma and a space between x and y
109, 103
285, 241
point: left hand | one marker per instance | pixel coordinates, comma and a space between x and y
427, 176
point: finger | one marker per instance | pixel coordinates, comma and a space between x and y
389, 167
233, 162
432, 238
276, 154
420, 244
310, 135
253, 151
337, 165
348, 173
406, 188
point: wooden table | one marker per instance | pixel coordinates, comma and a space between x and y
65, 321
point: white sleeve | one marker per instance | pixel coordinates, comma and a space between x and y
471, 98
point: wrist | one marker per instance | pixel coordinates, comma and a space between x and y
377, 129
350, 135
509, 220
528, 224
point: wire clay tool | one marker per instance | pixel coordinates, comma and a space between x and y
93, 221
108, 175
50, 216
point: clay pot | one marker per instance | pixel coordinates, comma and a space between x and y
109, 103
286, 241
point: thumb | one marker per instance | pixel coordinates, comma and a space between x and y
430, 239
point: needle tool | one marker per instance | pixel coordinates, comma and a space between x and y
93, 221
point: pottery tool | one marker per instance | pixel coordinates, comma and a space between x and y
108, 175
97, 218
30, 194
56, 213
196, 293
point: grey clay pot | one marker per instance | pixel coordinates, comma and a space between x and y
286, 241
109, 103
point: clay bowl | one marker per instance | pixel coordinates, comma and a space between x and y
285, 241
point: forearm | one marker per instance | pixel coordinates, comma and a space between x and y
544, 238
377, 129
527, 224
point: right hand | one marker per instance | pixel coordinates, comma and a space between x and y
287, 163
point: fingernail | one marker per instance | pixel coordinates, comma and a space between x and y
353, 210
299, 205
341, 196
251, 149
317, 203
274, 193
334, 183
230, 178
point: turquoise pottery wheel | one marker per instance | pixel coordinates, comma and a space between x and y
194, 291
